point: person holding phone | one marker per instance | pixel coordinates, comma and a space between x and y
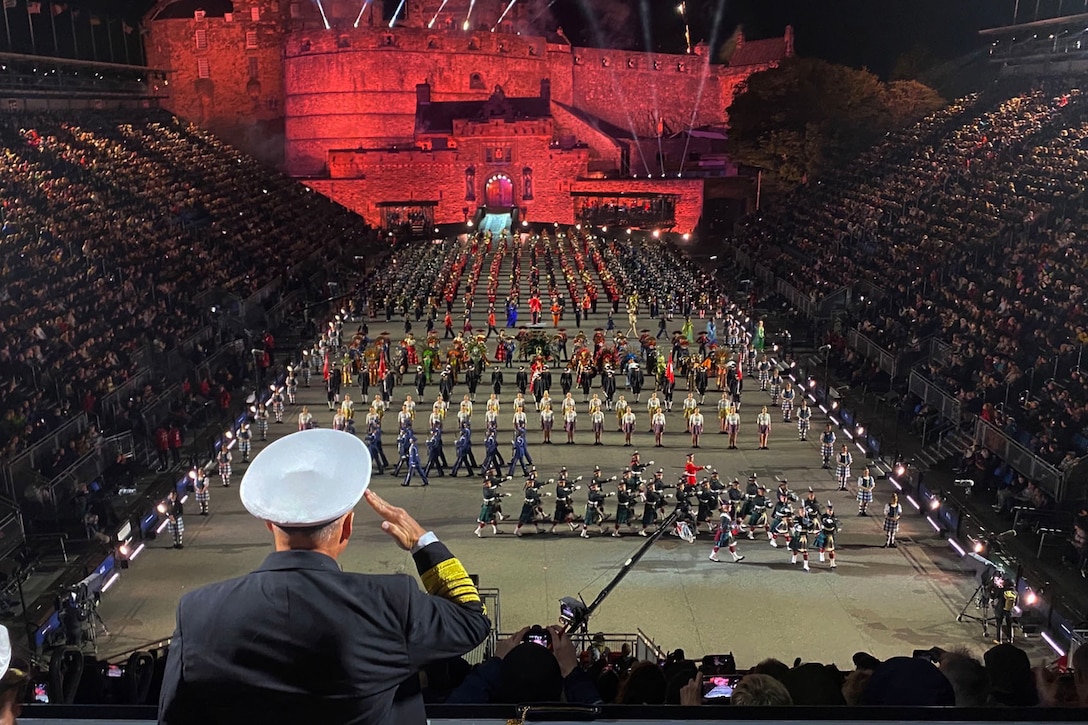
301, 640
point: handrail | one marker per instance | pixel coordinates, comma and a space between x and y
1020, 458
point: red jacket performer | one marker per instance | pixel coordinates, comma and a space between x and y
691, 471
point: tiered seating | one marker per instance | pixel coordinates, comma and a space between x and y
972, 223
110, 229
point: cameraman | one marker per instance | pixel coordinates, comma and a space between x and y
1003, 599
524, 670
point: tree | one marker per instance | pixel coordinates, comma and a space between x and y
807, 114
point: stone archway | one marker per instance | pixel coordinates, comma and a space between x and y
499, 192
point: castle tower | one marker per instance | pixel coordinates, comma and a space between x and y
227, 65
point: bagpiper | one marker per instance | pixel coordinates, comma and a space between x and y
804, 525
825, 540
726, 535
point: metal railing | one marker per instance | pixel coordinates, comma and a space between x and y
485, 649
946, 404
113, 403
1045, 475
868, 348
797, 299
22, 466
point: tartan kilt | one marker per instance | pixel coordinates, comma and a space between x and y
244, 445
177, 527
224, 470
891, 525
623, 515
787, 406
799, 543
803, 425
528, 513
827, 450
764, 376
842, 471
592, 516
825, 541
724, 537
262, 425
203, 496
865, 496
487, 513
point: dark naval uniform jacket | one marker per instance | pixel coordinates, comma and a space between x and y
300, 641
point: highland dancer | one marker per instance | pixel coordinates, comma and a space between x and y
892, 511
866, 484
763, 423
827, 446
804, 419
842, 467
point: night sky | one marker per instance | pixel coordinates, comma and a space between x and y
870, 33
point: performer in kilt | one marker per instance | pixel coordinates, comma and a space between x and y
842, 466
175, 515
827, 446
532, 511
787, 403
594, 515
804, 419
866, 484
625, 506
224, 458
893, 510
803, 526
202, 490
825, 540
726, 535
489, 509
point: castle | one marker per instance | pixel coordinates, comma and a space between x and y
421, 112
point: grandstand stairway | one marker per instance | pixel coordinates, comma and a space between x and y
947, 446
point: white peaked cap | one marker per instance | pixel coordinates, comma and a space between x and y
307, 478
5, 650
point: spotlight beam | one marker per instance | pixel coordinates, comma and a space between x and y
437, 13
658, 120
504, 12
396, 15
715, 26
468, 18
362, 10
324, 19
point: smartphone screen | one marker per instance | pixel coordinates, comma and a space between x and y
719, 687
40, 694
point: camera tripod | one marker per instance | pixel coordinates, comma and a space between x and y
981, 600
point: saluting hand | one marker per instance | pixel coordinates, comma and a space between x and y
396, 522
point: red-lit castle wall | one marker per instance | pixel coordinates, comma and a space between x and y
227, 75
274, 81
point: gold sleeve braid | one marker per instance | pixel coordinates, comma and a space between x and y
449, 580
